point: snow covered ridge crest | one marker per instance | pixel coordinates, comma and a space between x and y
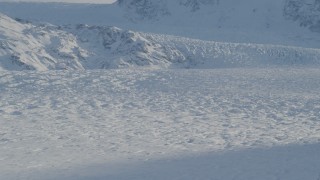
112, 47
47, 47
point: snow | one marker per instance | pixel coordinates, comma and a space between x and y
243, 123
215, 34
25, 46
185, 89
78, 47
247, 21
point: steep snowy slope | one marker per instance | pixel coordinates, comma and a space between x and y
111, 47
24, 46
247, 21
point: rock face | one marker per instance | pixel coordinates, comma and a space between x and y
155, 9
144, 9
305, 12
195, 5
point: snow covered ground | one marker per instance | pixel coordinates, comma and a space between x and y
208, 90
231, 123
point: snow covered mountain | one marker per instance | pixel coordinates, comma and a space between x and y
45, 46
248, 21
306, 12
276, 16
195, 89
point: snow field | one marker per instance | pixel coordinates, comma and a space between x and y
100, 124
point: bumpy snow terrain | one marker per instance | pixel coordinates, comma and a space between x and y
220, 124
160, 89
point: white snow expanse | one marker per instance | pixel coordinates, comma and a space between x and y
161, 124
196, 90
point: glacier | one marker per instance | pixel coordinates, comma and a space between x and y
160, 89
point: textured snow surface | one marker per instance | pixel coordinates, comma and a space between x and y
258, 123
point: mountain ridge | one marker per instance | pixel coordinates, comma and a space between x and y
283, 22
78, 47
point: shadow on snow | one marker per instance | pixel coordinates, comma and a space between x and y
286, 162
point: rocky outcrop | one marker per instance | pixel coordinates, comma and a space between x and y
195, 5
305, 12
144, 9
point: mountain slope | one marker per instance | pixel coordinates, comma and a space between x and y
247, 21
45, 46
25, 46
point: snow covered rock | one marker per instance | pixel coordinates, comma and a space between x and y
195, 5
305, 12
25, 46
144, 9
111, 47
157, 9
